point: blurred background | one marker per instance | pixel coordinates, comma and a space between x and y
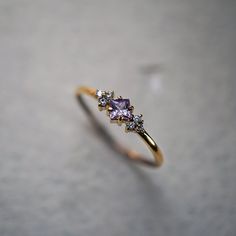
175, 60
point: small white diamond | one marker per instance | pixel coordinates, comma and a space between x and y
131, 126
137, 119
103, 101
109, 94
99, 93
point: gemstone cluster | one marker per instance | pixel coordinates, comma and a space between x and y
120, 110
104, 98
136, 124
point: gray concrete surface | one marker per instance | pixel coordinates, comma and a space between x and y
175, 60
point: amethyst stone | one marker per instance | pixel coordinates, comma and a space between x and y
120, 109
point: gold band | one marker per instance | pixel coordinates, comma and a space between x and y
133, 155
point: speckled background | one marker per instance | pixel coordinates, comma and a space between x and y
175, 60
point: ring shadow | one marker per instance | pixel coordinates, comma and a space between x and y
153, 194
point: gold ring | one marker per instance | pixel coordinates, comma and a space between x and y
120, 111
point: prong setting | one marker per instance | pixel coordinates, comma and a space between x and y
136, 124
131, 108
120, 111
104, 98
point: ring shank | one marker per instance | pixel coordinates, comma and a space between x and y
133, 155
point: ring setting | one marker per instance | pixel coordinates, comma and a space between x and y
120, 111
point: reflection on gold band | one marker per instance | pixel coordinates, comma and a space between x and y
158, 156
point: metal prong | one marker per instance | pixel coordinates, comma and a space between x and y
100, 107
112, 94
131, 108
119, 120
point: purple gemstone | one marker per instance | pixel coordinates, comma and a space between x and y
120, 108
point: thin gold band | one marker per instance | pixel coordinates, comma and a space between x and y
133, 155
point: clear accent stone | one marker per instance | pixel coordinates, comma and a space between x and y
130, 126
103, 101
110, 94
99, 93
137, 119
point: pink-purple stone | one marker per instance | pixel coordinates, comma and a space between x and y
120, 108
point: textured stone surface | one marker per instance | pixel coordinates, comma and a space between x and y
175, 60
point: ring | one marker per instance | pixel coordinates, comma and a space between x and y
120, 111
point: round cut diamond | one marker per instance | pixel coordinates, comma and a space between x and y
99, 93
103, 101
130, 126
137, 119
